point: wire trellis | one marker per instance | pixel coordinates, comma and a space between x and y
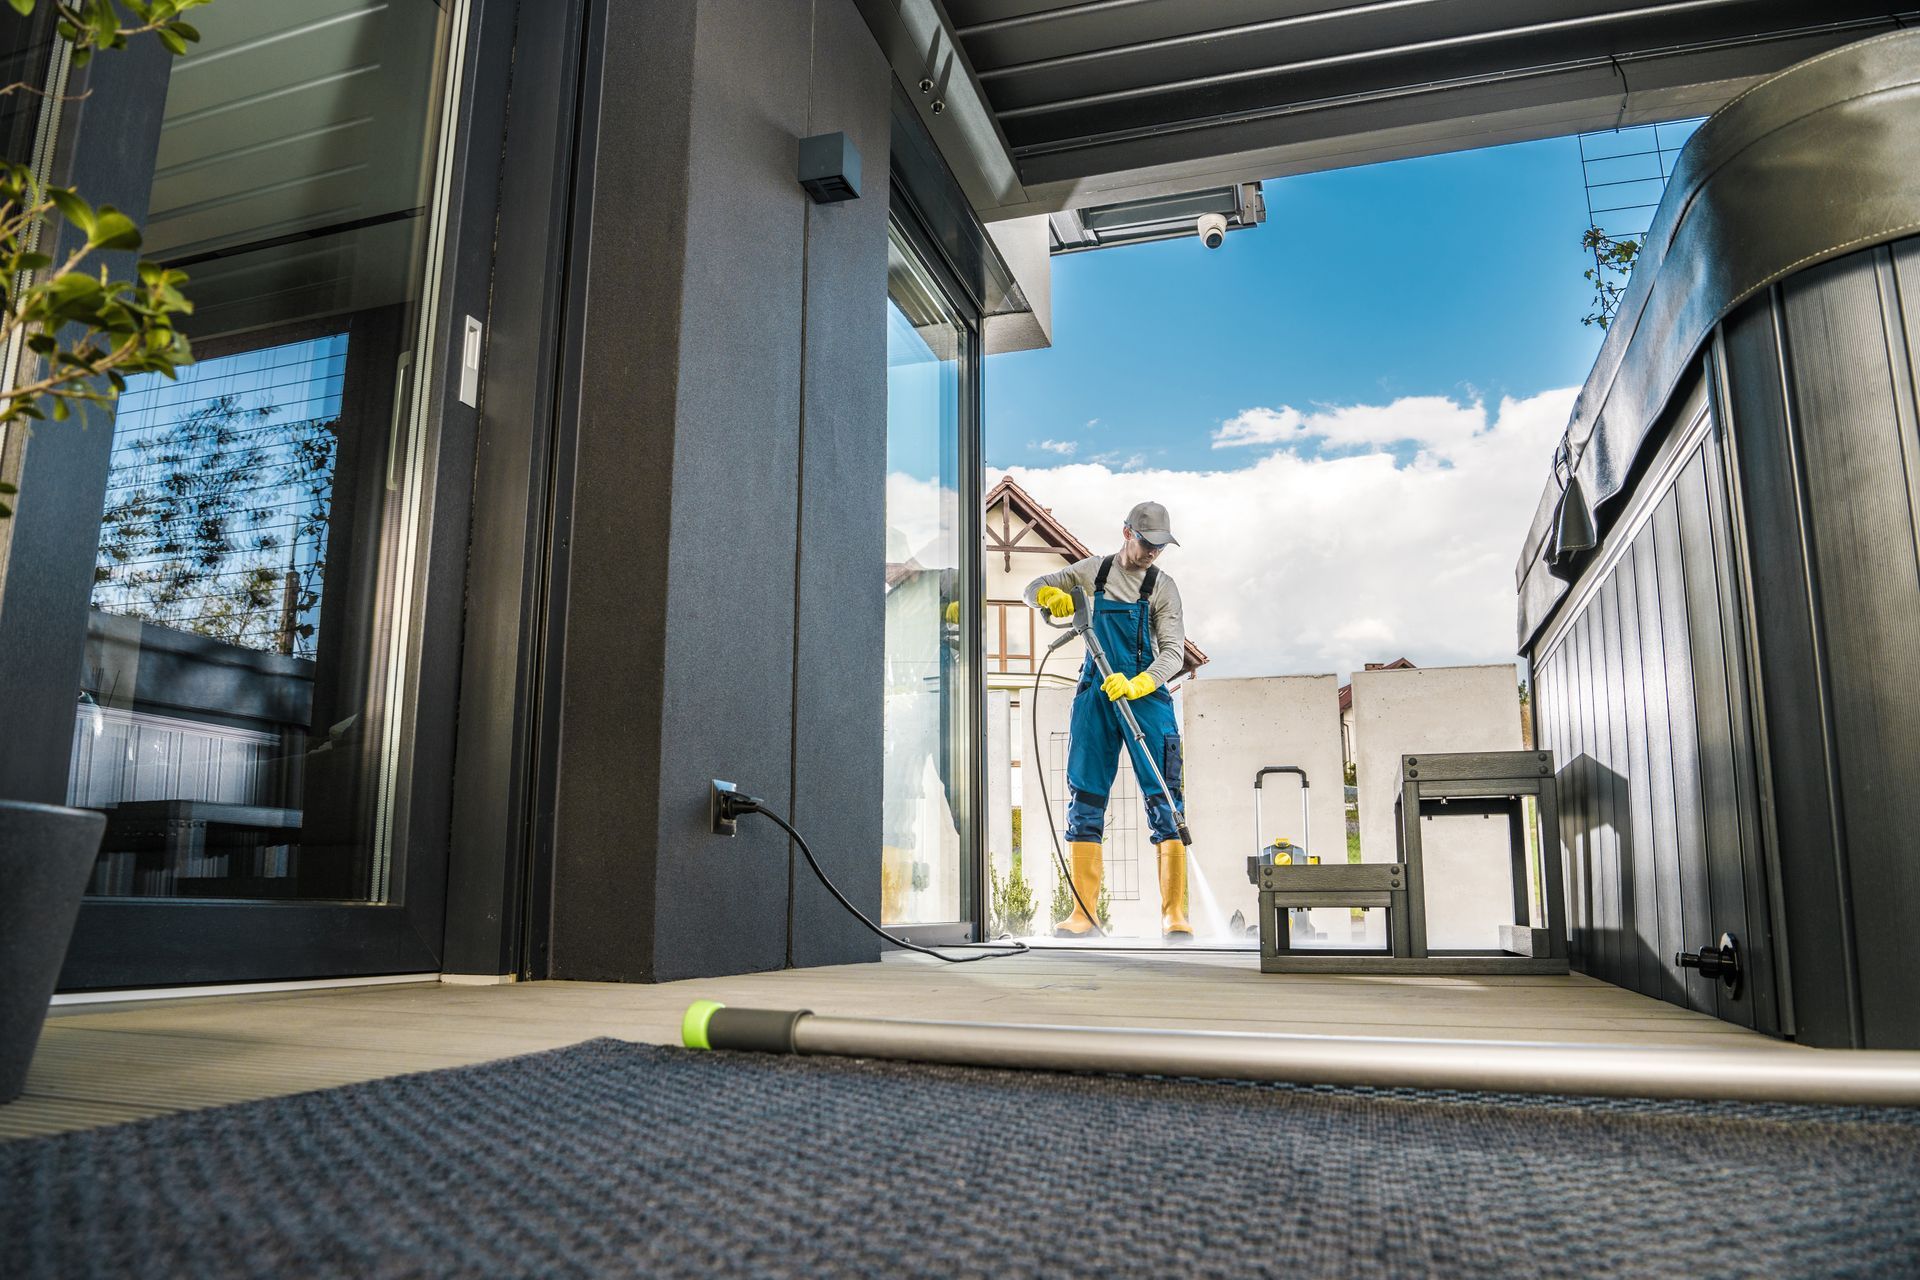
1625, 172
1121, 851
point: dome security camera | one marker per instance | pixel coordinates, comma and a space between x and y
1212, 228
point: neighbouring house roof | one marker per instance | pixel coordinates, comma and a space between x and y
1023, 514
1398, 664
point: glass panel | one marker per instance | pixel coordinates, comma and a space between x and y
1338, 929
240, 690
26, 50
1019, 622
925, 684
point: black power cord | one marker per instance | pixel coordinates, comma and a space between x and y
731, 805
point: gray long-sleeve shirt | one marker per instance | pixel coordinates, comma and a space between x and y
1166, 623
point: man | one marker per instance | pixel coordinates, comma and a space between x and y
1137, 619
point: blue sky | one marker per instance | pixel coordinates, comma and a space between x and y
1349, 411
1456, 275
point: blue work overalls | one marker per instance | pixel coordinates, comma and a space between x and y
1093, 756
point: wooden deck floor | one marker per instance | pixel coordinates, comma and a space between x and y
102, 1064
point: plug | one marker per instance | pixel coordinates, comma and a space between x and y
725, 804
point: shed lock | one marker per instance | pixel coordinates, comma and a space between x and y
1722, 962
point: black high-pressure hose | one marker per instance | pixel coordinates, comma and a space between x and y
1040, 772
733, 804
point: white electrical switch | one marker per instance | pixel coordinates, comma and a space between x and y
470, 364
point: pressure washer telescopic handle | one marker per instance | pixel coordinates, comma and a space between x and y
1306, 813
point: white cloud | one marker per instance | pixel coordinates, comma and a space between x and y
1065, 448
1093, 422
920, 516
1118, 461
1435, 424
1296, 564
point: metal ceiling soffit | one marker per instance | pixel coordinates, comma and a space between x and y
1440, 45
1188, 39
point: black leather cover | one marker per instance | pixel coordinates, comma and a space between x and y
1819, 161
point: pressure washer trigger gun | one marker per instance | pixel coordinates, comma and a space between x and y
1076, 623
1082, 619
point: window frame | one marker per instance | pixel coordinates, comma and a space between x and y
967, 737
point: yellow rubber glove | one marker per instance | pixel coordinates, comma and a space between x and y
1117, 686
1054, 601
953, 612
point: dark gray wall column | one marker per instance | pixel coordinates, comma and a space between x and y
727, 504
840, 632
110, 129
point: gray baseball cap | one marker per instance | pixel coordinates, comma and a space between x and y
1149, 520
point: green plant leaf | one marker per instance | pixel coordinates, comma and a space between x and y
113, 229
74, 289
22, 7
104, 21
175, 42
72, 208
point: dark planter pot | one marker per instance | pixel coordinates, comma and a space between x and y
46, 855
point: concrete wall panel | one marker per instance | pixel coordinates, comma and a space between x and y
1234, 728
1438, 709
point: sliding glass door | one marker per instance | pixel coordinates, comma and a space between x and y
242, 708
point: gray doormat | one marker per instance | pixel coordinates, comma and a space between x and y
619, 1159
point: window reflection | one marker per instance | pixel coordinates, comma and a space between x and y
925, 684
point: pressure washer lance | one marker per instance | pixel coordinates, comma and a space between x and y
1845, 1077
1083, 626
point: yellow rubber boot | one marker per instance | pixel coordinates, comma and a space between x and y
1084, 856
896, 873
1173, 893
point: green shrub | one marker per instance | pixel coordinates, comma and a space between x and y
1012, 901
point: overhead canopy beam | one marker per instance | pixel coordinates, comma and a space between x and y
1112, 100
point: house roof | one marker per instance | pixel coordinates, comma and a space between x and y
1056, 537
1040, 519
1398, 664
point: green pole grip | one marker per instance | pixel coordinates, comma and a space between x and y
709, 1024
694, 1023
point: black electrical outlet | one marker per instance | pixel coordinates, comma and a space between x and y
719, 821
